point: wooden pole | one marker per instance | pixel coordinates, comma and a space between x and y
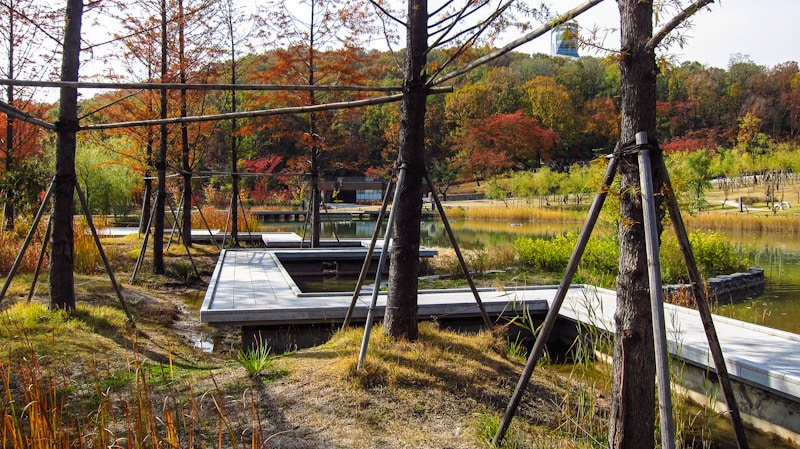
368, 259
656, 294
703, 308
41, 260
143, 251
381, 261
111, 276
27, 242
461, 261
555, 307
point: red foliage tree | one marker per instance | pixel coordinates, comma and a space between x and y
513, 139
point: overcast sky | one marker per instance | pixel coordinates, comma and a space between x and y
768, 31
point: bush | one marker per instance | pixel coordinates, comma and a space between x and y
713, 254
545, 255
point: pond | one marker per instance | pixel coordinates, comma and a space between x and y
779, 255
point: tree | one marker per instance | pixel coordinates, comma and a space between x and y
634, 362
62, 286
23, 49
309, 29
493, 144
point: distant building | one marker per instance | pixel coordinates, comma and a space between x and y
564, 40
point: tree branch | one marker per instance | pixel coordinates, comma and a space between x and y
18, 114
387, 13
569, 15
260, 113
677, 20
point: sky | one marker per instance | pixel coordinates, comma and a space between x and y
767, 31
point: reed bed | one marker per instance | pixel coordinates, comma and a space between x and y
220, 219
517, 214
752, 222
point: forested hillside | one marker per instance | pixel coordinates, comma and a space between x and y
517, 114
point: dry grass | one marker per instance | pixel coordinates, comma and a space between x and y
516, 214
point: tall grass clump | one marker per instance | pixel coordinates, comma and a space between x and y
51, 399
256, 360
11, 245
220, 219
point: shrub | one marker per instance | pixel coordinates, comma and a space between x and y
545, 255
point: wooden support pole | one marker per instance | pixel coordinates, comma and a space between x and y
461, 261
27, 242
368, 258
656, 294
703, 308
40, 260
111, 276
387, 239
555, 307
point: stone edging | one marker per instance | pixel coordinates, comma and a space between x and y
728, 287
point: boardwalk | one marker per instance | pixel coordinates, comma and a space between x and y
252, 288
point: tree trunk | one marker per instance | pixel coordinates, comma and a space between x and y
161, 162
8, 208
633, 392
185, 163
62, 285
401, 308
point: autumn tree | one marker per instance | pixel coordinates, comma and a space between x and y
493, 144
27, 51
320, 44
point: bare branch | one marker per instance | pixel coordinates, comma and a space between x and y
463, 13
387, 13
677, 20
260, 113
179, 86
18, 114
441, 8
569, 15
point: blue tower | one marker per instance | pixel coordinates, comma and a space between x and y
564, 40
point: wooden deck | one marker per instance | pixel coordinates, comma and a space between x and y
251, 288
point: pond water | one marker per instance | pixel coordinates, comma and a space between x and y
779, 255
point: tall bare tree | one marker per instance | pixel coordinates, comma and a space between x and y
308, 29
454, 28
62, 286
28, 56
633, 392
